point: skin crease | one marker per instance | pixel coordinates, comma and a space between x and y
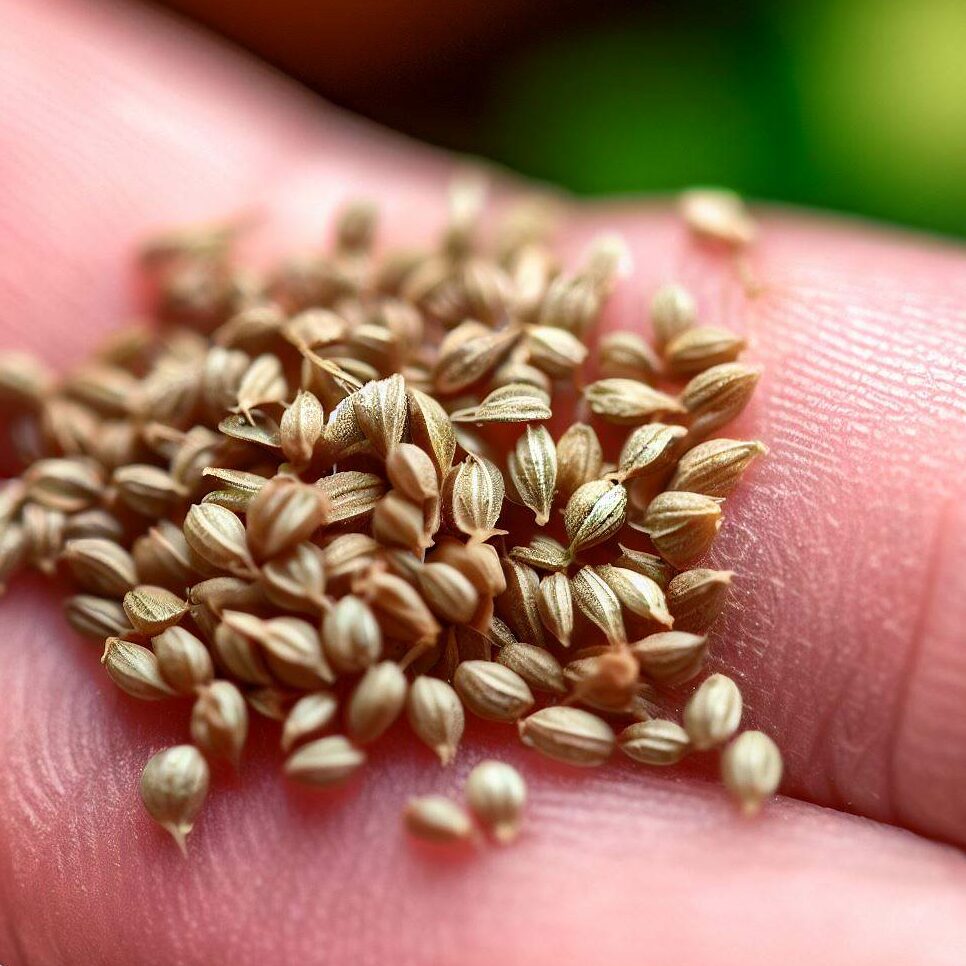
845, 629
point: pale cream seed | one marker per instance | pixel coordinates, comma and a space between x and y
654, 742
492, 691
435, 818
436, 715
174, 785
325, 761
751, 769
219, 720
568, 735
713, 712
497, 794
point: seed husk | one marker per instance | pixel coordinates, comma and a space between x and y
257, 428
435, 713
296, 580
219, 721
95, 617
400, 610
152, 609
284, 513
713, 712
134, 669
436, 818
671, 657
351, 635
654, 742
568, 735
174, 785
714, 468
682, 526
543, 553
751, 769
376, 702
183, 660
101, 566
217, 536
555, 604
628, 402
696, 598
497, 793
533, 470
263, 382
492, 691
325, 761
537, 666
625, 355
309, 716
599, 603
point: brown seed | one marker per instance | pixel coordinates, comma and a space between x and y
579, 458
477, 497
556, 351
301, 428
284, 513
606, 681
717, 395
68, 485
654, 742
715, 467
152, 609
309, 716
325, 761
519, 604
95, 617
671, 657
146, 489
595, 512
627, 402
217, 536
24, 380
515, 403
413, 474
639, 594
256, 428
398, 522
649, 450
239, 655
431, 430
568, 735
437, 819
713, 712
134, 669
162, 557
696, 598
497, 793
294, 651
555, 605
599, 603
352, 495
625, 355
436, 715
95, 523
751, 769
263, 382
682, 526
347, 554
450, 595
343, 436
174, 785
543, 553
183, 660
351, 636
296, 579
538, 667
380, 407
101, 566
647, 564
492, 691
401, 611
467, 354
42, 535
533, 470
376, 702
219, 721
673, 311
702, 347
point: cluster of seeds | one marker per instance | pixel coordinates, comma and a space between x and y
330, 494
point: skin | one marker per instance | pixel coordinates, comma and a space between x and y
845, 629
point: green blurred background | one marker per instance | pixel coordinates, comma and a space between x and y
854, 105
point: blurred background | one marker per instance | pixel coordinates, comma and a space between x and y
853, 105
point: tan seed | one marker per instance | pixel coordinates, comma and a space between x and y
376, 702
682, 526
654, 742
556, 351
697, 597
595, 512
717, 395
671, 657
217, 536
702, 347
95, 617
380, 407
713, 712
301, 428
134, 669
435, 818
219, 721
579, 458
351, 635
715, 467
163, 558
68, 485
296, 579
263, 382
627, 402
497, 793
174, 785
450, 595
555, 605
492, 691
183, 660
325, 761
543, 553
398, 522
436, 715
647, 564
309, 716
431, 430
352, 495
649, 450
518, 605
598, 602
751, 769
284, 513
152, 609
568, 735
533, 470
673, 311
515, 403
146, 489
718, 215
637, 593
101, 566
477, 497
538, 667
625, 355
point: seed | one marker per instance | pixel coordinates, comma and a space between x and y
568, 735
174, 785
263, 382
579, 458
347, 554
497, 793
284, 513
647, 564
400, 610
751, 768
310, 715
492, 691
682, 526
352, 495
639, 594
715, 467
533, 469
217, 536
538, 667
431, 430
146, 489
183, 660
519, 603
256, 428
376, 702
450, 595
717, 395
301, 428
436, 715
296, 579
627, 402
219, 720
595, 512
696, 598
477, 497
351, 636
239, 655
95, 617
68, 485
599, 603
412, 473
342, 435
151, 609
380, 407
437, 819
671, 657
24, 379
654, 742
554, 350
555, 605
673, 311
607, 681
398, 522
325, 761
467, 354
718, 215
702, 347
134, 669
294, 651
101, 566
42, 538
95, 523
713, 712
625, 355
649, 450
543, 553
515, 403
163, 558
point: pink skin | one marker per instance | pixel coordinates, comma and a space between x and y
846, 627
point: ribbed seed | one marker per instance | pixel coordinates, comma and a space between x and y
68, 485
654, 742
219, 720
714, 468
173, 788
450, 595
595, 512
599, 603
682, 526
717, 395
649, 450
352, 495
134, 669
477, 497
700, 348
301, 428
376, 702
537, 666
284, 513
436, 818
518, 605
401, 611
515, 403
431, 430
217, 536
325, 761
295, 580
568, 735
152, 609
309, 716
627, 402
146, 489
625, 355
647, 564
435, 713
492, 691
673, 311
398, 522
555, 605
101, 566
607, 681
381, 410
751, 769
533, 470
543, 553
348, 554
162, 557
713, 712
556, 351
183, 660
639, 594
696, 598
497, 793
579, 458
718, 215
263, 382
468, 354
95, 617
351, 635
671, 657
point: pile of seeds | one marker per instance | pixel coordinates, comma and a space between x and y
328, 494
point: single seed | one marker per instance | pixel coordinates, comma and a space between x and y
352, 495
492, 691
673, 311
325, 761
152, 609
671, 657
476, 496
713, 712
435, 818
568, 735
627, 402
376, 702
543, 553
595, 512
147, 490
436, 715
717, 395
380, 407
533, 470
134, 669
718, 215
174, 785
715, 467
696, 598
217, 536
637, 593
579, 458
101, 566
183, 660
598, 602
751, 769
702, 347
647, 564
538, 667
497, 793
654, 742
219, 720
95, 617
450, 595
555, 604
682, 526
309, 716
301, 428
284, 513
649, 450
625, 355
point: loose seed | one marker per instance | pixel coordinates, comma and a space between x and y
174, 785
713, 713
436, 715
569, 735
325, 761
134, 669
437, 819
751, 768
654, 742
219, 720
492, 691
497, 793
376, 701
